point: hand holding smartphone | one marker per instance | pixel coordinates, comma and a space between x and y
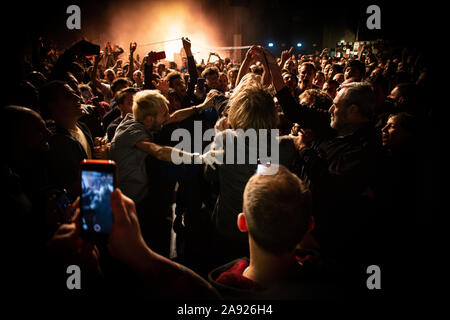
98, 181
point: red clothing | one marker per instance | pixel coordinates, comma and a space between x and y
234, 278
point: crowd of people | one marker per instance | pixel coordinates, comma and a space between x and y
342, 198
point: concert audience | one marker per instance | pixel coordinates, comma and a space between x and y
342, 198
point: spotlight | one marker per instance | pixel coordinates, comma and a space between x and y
270, 44
299, 44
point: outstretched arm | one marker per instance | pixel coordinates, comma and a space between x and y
162, 275
182, 114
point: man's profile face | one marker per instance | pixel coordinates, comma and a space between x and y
338, 111
67, 102
348, 73
127, 105
161, 117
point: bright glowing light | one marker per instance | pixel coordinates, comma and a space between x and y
299, 44
161, 21
270, 44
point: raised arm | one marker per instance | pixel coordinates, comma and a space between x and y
285, 55
131, 60
244, 69
148, 72
192, 68
161, 275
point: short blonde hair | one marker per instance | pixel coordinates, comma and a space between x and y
146, 103
252, 106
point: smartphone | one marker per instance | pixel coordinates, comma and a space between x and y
98, 181
155, 56
201, 84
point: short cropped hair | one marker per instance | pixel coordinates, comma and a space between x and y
120, 97
278, 210
360, 94
119, 81
308, 64
407, 121
358, 65
252, 106
146, 103
210, 71
172, 76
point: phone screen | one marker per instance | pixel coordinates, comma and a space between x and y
96, 213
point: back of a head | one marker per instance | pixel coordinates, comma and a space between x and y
252, 106
316, 99
278, 210
360, 94
408, 91
358, 65
16, 119
379, 80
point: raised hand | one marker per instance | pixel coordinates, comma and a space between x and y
187, 46
186, 43
208, 103
133, 46
161, 85
286, 54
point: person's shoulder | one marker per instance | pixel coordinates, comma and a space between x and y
129, 128
129, 121
230, 277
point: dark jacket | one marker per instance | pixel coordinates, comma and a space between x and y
340, 171
316, 119
231, 179
65, 156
